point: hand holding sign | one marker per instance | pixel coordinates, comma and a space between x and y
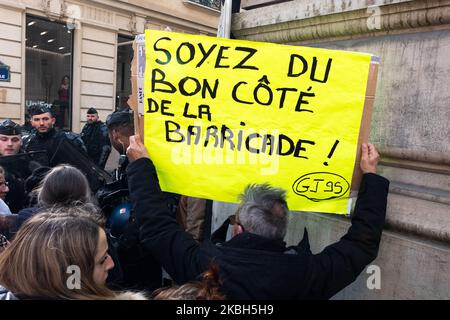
369, 158
136, 149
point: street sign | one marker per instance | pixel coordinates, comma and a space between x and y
5, 74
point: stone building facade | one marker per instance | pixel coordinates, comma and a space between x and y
89, 41
410, 126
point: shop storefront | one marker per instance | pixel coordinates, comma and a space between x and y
48, 63
73, 55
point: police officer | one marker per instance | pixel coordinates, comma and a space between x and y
10, 144
44, 136
10, 138
95, 137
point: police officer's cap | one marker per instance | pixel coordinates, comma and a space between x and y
119, 117
91, 111
37, 109
10, 128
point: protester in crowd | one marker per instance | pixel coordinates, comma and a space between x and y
95, 137
255, 263
54, 191
10, 223
140, 270
120, 127
63, 185
45, 137
191, 216
208, 288
190, 211
32, 184
69, 250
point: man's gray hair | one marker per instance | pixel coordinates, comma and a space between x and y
263, 211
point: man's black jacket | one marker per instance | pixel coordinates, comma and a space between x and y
50, 141
96, 139
251, 266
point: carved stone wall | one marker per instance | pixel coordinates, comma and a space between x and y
410, 126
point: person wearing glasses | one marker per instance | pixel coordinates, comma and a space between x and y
256, 263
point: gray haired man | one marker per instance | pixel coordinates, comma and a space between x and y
255, 263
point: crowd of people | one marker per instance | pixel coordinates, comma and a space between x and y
64, 217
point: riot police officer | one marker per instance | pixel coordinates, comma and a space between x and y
45, 137
10, 138
10, 145
95, 137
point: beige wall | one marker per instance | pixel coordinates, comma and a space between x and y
96, 69
95, 44
11, 53
181, 15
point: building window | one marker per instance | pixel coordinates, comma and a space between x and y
48, 68
211, 4
123, 80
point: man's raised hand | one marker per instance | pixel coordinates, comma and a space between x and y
136, 149
369, 158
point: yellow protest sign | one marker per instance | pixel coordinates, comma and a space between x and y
221, 113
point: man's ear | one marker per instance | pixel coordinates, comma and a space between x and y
237, 229
113, 134
53, 121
